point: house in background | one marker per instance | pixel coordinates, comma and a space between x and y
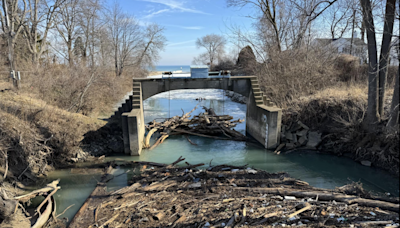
343, 46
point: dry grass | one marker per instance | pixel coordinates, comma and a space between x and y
37, 136
294, 73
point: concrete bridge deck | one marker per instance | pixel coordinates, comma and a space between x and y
263, 120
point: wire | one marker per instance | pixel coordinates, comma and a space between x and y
169, 98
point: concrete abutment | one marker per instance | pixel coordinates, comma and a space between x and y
263, 121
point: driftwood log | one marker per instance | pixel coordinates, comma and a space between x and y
348, 199
207, 124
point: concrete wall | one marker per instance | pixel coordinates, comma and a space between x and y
152, 87
263, 122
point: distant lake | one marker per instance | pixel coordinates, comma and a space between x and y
184, 68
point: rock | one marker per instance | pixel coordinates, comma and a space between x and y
303, 125
207, 224
302, 140
290, 146
289, 136
116, 147
366, 163
302, 132
234, 170
372, 213
314, 138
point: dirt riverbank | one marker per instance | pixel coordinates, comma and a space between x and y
331, 121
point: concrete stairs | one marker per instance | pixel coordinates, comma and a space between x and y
134, 102
260, 98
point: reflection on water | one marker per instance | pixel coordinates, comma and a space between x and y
320, 170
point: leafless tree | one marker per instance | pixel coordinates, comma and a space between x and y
385, 51
214, 44
339, 18
90, 24
154, 43
125, 36
372, 109
12, 16
284, 21
38, 23
67, 26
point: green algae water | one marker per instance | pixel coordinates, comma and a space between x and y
319, 170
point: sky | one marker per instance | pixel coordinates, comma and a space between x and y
185, 21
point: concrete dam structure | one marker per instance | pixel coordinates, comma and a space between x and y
263, 120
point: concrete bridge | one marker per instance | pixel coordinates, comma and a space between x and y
263, 120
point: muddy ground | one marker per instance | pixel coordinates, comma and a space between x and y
227, 196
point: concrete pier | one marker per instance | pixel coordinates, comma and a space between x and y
263, 121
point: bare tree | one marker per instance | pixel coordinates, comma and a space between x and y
90, 24
12, 18
214, 44
393, 123
372, 117
38, 24
154, 43
284, 21
339, 18
125, 38
385, 51
67, 26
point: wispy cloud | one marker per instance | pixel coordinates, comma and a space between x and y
176, 5
180, 43
155, 13
186, 27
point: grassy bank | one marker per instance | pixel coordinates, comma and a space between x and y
337, 113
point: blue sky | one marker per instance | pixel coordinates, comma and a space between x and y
184, 22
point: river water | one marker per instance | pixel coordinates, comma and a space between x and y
319, 170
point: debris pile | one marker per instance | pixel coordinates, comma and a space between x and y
44, 214
207, 124
228, 196
297, 135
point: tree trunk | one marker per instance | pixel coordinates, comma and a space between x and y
394, 109
384, 56
372, 115
70, 53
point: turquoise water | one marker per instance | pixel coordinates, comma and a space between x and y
319, 170
184, 68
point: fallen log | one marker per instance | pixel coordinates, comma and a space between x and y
348, 199
44, 217
49, 187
